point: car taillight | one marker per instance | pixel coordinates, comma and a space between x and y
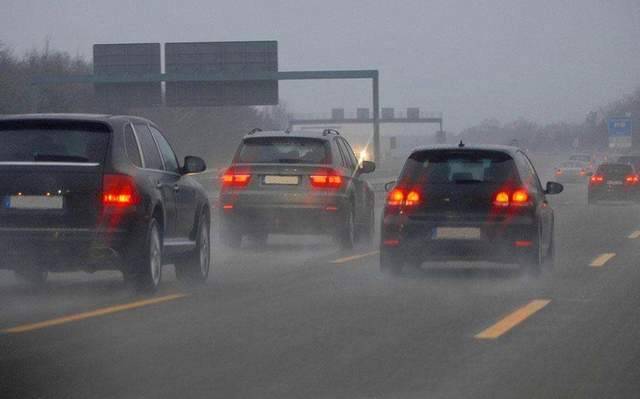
596, 179
505, 198
558, 172
583, 172
119, 190
631, 179
327, 179
401, 197
235, 179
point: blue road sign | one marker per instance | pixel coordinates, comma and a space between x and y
620, 127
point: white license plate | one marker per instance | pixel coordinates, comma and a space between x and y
614, 183
34, 202
288, 180
456, 233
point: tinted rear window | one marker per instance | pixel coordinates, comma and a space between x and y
459, 167
283, 150
614, 169
53, 141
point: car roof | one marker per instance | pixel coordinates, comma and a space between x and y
316, 134
104, 118
511, 150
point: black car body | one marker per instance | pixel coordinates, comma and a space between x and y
614, 182
95, 192
467, 203
296, 182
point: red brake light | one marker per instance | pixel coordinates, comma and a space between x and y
235, 179
395, 197
326, 180
631, 179
501, 199
119, 190
597, 179
520, 197
558, 172
505, 198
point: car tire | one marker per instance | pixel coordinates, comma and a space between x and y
147, 262
347, 231
550, 258
32, 276
389, 264
368, 229
535, 260
195, 266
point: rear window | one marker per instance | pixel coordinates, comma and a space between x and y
459, 167
614, 169
283, 150
53, 142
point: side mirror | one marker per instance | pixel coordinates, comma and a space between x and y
553, 188
367, 167
193, 165
389, 185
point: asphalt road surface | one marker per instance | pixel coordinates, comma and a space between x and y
299, 319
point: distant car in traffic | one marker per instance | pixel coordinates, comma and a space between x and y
99, 192
468, 203
572, 172
582, 157
296, 182
614, 182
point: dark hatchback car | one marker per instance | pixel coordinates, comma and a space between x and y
98, 192
614, 182
296, 182
468, 203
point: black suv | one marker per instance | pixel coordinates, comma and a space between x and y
296, 182
468, 203
98, 192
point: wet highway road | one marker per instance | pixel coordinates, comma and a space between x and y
299, 319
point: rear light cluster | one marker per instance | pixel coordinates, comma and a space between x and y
402, 197
327, 179
235, 179
119, 190
632, 179
596, 179
505, 198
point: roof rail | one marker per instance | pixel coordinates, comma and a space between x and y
254, 130
326, 132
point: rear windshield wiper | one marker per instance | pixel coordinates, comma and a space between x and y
58, 158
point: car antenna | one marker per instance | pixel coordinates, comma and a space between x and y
461, 145
255, 129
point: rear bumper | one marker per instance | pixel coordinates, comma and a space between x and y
615, 193
63, 249
282, 219
503, 242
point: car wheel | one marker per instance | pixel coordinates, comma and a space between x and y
148, 265
33, 276
369, 228
346, 235
535, 260
389, 264
195, 267
549, 262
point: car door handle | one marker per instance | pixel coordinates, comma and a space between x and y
176, 187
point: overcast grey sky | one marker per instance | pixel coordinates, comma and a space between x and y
546, 60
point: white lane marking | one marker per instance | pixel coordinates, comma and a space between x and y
634, 235
354, 257
602, 259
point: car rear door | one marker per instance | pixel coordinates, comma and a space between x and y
530, 178
184, 188
164, 182
358, 185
